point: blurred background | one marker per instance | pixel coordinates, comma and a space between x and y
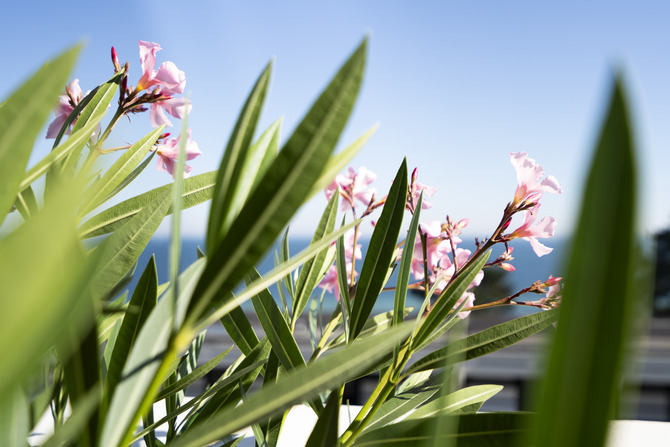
455, 87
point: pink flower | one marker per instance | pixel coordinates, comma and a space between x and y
353, 186
469, 299
168, 79
168, 153
437, 248
168, 76
531, 180
66, 104
531, 231
177, 107
330, 281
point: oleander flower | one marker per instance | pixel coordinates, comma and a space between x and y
532, 182
167, 81
353, 186
168, 153
531, 231
66, 104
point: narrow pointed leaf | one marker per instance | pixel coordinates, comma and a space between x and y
140, 306
26, 204
232, 394
36, 250
121, 249
474, 430
324, 433
231, 171
193, 377
406, 264
401, 404
487, 341
197, 189
276, 328
457, 400
240, 330
22, 116
75, 143
311, 271
121, 168
302, 384
337, 162
380, 252
94, 110
148, 363
598, 304
283, 189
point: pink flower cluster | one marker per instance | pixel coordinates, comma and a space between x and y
437, 259
155, 87
443, 258
353, 186
532, 184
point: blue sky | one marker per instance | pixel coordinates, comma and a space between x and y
455, 86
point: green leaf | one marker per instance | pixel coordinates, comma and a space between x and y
74, 144
379, 257
272, 427
37, 249
230, 382
337, 162
487, 341
130, 177
240, 330
401, 404
65, 435
283, 189
197, 189
82, 376
311, 271
193, 377
406, 264
232, 393
474, 430
276, 328
115, 175
271, 149
140, 306
227, 201
448, 299
147, 364
26, 203
94, 110
599, 300
302, 384
378, 323
14, 419
457, 400
21, 119
274, 275
324, 433
124, 246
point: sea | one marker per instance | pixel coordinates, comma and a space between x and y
529, 268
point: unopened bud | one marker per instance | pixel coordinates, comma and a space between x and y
115, 61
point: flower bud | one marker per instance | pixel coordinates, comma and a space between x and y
115, 61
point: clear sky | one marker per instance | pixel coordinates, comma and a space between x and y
456, 86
